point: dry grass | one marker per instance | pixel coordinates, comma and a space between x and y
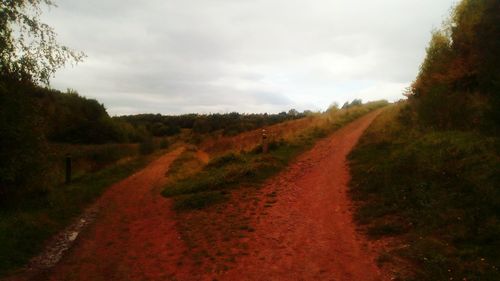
220, 202
287, 131
238, 159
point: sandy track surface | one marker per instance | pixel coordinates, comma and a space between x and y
134, 236
308, 234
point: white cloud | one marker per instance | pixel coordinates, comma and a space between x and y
248, 56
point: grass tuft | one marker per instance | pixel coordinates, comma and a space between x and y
198, 200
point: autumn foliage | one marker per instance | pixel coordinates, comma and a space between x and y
458, 83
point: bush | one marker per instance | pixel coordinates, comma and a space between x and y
148, 146
164, 143
458, 82
199, 200
22, 144
433, 188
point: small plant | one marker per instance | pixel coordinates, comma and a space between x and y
198, 200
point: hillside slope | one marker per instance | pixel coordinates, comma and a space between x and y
435, 192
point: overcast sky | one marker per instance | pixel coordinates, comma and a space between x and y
207, 56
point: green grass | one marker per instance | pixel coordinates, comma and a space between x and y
438, 191
186, 164
27, 222
250, 169
228, 171
86, 159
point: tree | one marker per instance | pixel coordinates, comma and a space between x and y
293, 112
355, 102
28, 47
458, 83
333, 107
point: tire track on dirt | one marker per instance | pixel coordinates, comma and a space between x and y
308, 234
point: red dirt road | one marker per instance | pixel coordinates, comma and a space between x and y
308, 234
134, 236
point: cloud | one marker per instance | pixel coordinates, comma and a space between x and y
249, 56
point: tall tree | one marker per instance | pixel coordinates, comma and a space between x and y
458, 83
28, 47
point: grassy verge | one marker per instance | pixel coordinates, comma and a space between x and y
438, 192
86, 159
187, 164
27, 222
210, 185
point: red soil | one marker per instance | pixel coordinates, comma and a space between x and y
134, 236
308, 234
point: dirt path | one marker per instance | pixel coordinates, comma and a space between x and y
134, 236
308, 234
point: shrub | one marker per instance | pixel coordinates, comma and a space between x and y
164, 143
458, 82
23, 147
438, 189
147, 146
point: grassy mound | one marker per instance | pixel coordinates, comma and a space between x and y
211, 184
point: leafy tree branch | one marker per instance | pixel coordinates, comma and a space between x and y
28, 47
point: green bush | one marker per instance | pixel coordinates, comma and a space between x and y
458, 82
148, 146
23, 147
164, 143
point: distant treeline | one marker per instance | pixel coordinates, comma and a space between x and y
60, 117
67, 117
32, 118
228, 124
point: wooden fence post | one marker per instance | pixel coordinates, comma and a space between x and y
68, 168
265, 143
